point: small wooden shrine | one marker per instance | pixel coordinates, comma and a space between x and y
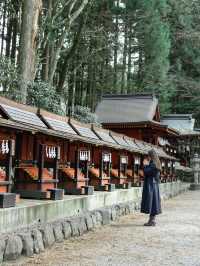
120, 162
36, 156
7, 153
74, 155
43, 154
100, 172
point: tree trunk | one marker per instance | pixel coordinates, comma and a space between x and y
29, 30
15, 30
3, 27
116, 46
46, 49
69, 22
9, 33
123, 85
129, 58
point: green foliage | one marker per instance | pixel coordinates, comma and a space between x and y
185, 56
154, 37
8, 77
162, 54
84, 114
42, 95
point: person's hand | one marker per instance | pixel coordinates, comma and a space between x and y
145, 162
141, 173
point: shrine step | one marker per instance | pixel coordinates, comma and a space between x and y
7, 200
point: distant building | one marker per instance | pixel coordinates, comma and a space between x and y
136, 116
188, 141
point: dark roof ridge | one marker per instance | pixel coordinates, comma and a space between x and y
176, 115
180, 116
137, 96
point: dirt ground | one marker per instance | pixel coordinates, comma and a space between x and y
174, 241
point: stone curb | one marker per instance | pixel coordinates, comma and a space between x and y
36, 239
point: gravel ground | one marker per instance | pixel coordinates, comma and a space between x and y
174, 241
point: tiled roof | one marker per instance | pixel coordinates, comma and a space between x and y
56, 122
126, 108
103, 134
26, 118
119, 139
20, 113
83, 129
183, 123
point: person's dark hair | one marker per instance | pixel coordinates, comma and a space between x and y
154, 157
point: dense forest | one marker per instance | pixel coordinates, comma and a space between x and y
63, 55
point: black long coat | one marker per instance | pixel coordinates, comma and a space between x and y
151, 194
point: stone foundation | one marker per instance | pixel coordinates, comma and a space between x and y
87, 213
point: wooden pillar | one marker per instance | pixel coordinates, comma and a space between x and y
9, 167
77, 163
40, 165
56, 166
133, 168
101, 155
68, 150
109, 164
86, 171
119, 166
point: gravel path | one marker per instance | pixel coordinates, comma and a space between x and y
174, 241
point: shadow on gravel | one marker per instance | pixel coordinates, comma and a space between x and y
127, 225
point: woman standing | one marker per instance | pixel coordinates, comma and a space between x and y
151, 195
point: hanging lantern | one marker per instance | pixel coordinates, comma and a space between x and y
124, 160
137, 160
169, 164
107, 157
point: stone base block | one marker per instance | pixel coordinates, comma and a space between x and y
56, 194
73, 191
85, 190
124, 186
128, 185
101, 188
88, 190
195, 186
37, 194
111, 187
7, 200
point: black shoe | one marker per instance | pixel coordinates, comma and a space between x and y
150, 223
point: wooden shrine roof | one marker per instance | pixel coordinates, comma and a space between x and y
26, 118
103, 134
183, 123
56, 122
119, 138
131, 142
127, 108
20, 113
83, 130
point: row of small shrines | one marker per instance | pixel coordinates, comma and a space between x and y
45, 166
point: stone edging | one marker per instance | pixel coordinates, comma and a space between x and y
37, 238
